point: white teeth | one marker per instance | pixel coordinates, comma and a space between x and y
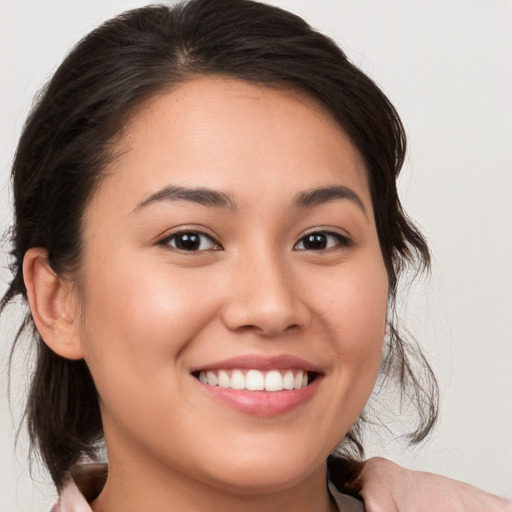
288, 380
273, 381
256, 380
297, 384
212, 378
223, 379
237, 380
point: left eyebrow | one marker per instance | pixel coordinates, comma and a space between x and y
323, 195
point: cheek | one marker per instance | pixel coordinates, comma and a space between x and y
357, 319
138, 318
366, 319
356, 307
365, 312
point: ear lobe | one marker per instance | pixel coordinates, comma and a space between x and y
52, 304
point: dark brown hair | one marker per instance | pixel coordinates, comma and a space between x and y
69, 139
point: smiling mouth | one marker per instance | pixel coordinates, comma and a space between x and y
257, 380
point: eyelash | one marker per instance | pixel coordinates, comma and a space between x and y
340, 240
174, 236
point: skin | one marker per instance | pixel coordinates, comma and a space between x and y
147, 313
144, 314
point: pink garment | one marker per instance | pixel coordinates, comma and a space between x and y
71, 500
83, 484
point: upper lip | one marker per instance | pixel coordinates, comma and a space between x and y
259, 362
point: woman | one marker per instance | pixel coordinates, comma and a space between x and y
209, 237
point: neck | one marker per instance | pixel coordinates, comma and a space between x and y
133, 487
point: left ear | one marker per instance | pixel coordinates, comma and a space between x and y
53, 305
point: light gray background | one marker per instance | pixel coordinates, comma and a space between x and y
447, 67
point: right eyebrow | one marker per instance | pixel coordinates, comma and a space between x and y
200, 195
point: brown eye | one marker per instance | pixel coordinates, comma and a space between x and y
320, 241
191, 241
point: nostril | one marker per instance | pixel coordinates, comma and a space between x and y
265, 330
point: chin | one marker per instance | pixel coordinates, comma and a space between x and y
257, 473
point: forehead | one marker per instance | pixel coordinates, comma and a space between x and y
236, 136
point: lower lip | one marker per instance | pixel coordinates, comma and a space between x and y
262, 403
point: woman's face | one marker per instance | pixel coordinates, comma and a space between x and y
232, 240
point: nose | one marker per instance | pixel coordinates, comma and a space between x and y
264, 298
